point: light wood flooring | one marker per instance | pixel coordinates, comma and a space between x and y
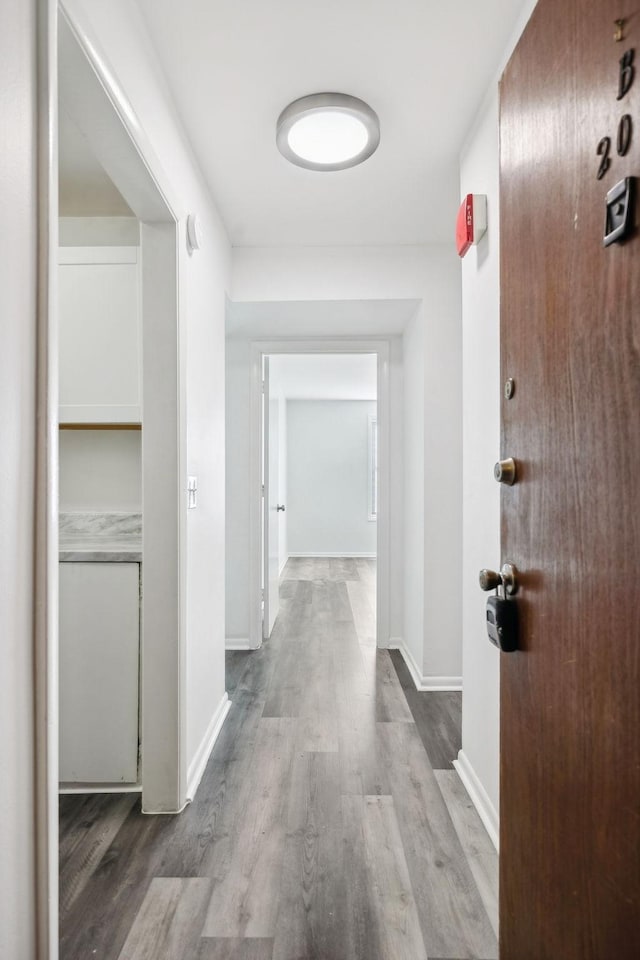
329, 824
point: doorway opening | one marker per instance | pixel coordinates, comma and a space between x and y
121, 392
118, 709
319, 484
278, 537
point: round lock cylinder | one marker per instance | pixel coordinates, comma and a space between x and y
505, 471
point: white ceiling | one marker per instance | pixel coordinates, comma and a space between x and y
84, 188
422, 65
324, 376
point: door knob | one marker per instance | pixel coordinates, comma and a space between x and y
507, 579
489, 580
505, 471
280, 507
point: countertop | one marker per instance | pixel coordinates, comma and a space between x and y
89, 537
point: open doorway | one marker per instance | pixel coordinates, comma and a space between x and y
320, 479
354, 372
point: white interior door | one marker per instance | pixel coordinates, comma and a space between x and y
270, 512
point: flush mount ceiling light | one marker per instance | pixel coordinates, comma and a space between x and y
327, 131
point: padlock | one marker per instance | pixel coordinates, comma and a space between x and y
502, 623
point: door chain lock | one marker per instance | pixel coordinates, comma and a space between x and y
502, 612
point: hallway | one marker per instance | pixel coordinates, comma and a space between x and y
321, 829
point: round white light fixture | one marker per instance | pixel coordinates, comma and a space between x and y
327, 131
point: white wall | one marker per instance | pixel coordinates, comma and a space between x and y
430, 274
17, 476
118, 31
481, 440
413, 499
98, 232
328, 478
482, 389
238, 413
100, 470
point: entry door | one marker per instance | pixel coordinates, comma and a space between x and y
271, 512
570, 327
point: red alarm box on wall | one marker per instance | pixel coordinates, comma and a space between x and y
471, 225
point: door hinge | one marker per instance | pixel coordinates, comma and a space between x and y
263, 386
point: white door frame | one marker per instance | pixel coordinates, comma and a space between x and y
260, 348
102, 111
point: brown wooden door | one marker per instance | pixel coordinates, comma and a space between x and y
570, 322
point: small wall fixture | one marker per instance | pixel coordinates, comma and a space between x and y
471, 224
194, 233
327, 131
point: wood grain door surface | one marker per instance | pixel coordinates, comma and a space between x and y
570, 333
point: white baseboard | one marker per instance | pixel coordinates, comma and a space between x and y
424, 683
238, 643
337, 556
201, 758
67, 788
479, 797
283, 565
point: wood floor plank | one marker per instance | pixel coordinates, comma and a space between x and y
318, 730
437, 715
244, 900
480, 852
452, 915
362, 608
363, 937
311, 918
391, 703
235, 948
287, 590
389, 882
169, 922
288, 690
362, 765
83, 846
304, 591
340, 606
236, 664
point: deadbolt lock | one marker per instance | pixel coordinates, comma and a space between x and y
505, 471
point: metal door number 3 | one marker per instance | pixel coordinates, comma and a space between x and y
620, 199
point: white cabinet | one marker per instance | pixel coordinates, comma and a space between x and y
99, 672
100, 335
